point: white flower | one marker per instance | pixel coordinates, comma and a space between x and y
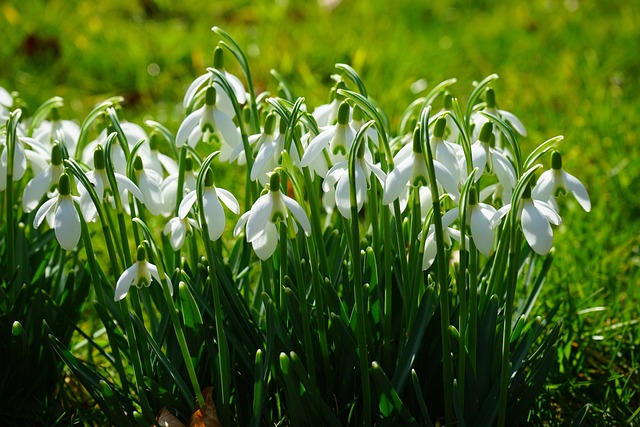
179, 228
479, 218
43, 181
261, 220
207, 122
411, 169
158, 161
133, 133
222, 99
430, 244
169, 187
139, 274
212, 208
327, 114
48, 131
536, 218
338, 175
149, 184
557, 182
269, 145
337, 138
65, 220
479, 119
98, 178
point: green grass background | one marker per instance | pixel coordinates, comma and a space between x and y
567, 67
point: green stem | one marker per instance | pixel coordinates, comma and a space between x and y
512, 279
442, 272
12, 124
473, 304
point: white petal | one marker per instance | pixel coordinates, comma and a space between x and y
515, 122
547, 211
227, 129
543, 189
397, 180
578, 190
430, 249
193, 89
298, 213
446, 179
242, 221
171, 225
266, 242
178, 235
154, 273
42, 212
187, 127
67, 224
260, 216
214, 214
479, 156
379, 173
186, 204
536, 229
481, 230
343, 196
315, 147
125, 281
228, 199
153, 199
496, 219
125, 183
237, 86
265, 153
35, 189
503, 169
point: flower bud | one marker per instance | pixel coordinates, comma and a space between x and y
448, 101
17, 329
55, 114
218, 58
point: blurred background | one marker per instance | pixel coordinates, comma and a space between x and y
567, 67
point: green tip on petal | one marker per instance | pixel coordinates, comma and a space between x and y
490, 98
141, 255
98, 158
270, 124
56, 155
473, 196
417, 145
343, 113
218, 58
527, 192
137, 163
274, 182
448, 101
556, 160
441, 124
208, 178
64, 185
486, 131
210, 96
55, 114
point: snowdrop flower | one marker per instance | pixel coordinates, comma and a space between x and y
337, 138
556, 182
479, 119
430, 246
207, 124
357, 121
479, 217
411, 169
338, 175
492, 160
169, 187
222, 99
261, 220
139, 274
149, 184
19, 160
269, 145
98, 177
451, 131
157, 161
535, 217
43, 181
327, 114
211, 206
65, 220
48, 131
132, 133
179, 228
445, 151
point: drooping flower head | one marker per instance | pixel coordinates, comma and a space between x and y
43, 181
139, 274
556, 182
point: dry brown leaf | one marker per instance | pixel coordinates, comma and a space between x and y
167, 419
207, 416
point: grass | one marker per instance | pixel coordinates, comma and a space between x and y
567, 68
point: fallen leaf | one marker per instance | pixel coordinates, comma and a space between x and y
167, 419
207, 416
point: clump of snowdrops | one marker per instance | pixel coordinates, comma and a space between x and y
359, 274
